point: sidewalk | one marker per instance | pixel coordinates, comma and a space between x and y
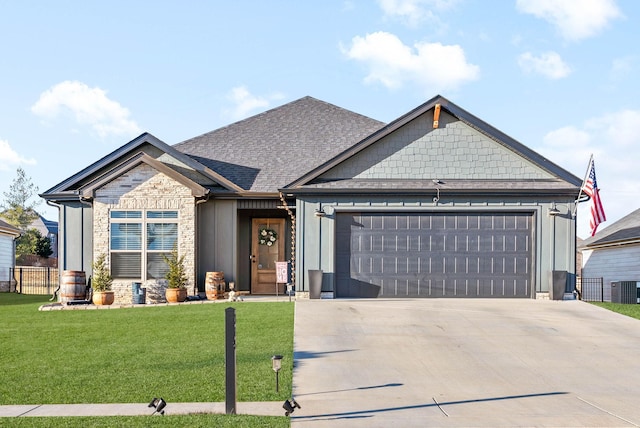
264, 408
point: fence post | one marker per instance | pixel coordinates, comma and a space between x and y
601, 289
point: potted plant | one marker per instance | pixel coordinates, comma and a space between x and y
101, 282
176, 277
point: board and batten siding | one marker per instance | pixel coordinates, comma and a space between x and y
6, 256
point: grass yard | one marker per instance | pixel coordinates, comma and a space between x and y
190, 421
632, 311
132, 355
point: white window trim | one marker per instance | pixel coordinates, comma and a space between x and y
143, 220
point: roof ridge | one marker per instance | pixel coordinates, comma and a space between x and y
281, 107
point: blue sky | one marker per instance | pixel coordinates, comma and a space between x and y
79, 78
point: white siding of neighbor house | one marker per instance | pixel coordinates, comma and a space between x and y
613, 264
6, 256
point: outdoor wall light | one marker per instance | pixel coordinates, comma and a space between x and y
554, 211
320, 213
289, 406
159, 404
276, 364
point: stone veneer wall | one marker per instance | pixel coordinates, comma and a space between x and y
144, 188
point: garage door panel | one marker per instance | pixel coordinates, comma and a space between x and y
434, 255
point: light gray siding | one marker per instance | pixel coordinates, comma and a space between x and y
613, 264
7, 257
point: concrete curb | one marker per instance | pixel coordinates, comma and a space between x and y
262, 408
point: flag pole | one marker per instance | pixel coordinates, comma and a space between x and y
584, 180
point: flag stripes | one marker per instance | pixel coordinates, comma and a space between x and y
590, 188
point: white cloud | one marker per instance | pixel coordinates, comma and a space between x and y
573, 19
620, 129
414, 12
614, 141
10, 159
89, 106
433, 66
246, 103
548, 64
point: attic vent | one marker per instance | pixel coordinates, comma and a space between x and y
436, 116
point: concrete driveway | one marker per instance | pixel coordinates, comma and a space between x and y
464, 363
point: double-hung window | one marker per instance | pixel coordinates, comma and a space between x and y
138, 241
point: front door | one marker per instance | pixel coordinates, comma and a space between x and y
267, 248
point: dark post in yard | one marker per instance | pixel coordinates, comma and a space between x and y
230, 360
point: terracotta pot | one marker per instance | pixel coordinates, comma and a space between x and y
103, 297
175, 295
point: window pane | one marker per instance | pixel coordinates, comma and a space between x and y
162, 214
126, 265
156, 266
161, 236
126, 236
126, 214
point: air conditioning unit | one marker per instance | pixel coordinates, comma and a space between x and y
625, 292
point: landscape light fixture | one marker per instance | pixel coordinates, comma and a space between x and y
158, 404
289, 406
276, 365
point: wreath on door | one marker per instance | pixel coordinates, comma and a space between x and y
267, 237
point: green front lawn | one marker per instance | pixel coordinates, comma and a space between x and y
632, 311
132, 355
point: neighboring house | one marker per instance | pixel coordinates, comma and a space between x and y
49, 229
436, 203
8, 235
613, 254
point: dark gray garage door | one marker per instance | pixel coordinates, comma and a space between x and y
434, 255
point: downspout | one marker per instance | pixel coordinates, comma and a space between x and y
197, 241
293, 238
54, 205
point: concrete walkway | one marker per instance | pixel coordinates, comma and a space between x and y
139, 409
461, 363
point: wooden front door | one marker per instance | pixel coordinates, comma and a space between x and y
267, 248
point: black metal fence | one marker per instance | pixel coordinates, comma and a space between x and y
591, 289
35, 280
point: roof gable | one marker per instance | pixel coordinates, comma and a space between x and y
159, 154
461, 147
88, 190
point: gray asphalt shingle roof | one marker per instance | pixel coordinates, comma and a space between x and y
269, 150
625, 229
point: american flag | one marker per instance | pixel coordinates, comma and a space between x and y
590, 188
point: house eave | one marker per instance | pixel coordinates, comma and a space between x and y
429, 192
612, 244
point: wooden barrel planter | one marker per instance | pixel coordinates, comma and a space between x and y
214, 285
73, 286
